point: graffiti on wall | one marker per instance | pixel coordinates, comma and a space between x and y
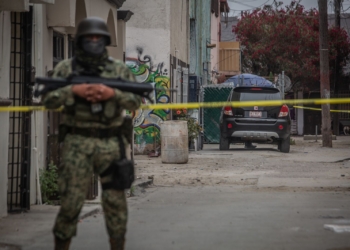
146, 122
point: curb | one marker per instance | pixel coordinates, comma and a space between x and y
90, 213
315, 137
144, 184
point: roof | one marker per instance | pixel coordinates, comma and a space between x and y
117, 3
124, 15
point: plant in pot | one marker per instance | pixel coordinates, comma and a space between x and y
192, 125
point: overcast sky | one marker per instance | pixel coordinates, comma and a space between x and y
237, 6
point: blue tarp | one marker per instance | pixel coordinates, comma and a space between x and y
248, 80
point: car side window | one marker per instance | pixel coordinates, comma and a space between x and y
235, 96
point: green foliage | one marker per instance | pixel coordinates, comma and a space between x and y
276, 39
193, 128
48, 182
192, 125
132, 191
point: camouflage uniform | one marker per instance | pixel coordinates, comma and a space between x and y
82, 155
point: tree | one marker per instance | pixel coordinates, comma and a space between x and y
276, 39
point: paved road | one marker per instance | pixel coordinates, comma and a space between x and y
209, 218
235, 199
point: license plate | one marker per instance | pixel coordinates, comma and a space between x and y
255, 114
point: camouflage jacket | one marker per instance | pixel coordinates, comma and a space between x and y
77, 112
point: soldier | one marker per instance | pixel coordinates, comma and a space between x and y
93, 130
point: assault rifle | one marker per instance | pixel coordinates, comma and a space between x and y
47, 84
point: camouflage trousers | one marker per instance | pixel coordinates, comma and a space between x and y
83, 156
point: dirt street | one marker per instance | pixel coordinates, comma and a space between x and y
235, 199
307, 166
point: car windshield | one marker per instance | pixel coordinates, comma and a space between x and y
254, 95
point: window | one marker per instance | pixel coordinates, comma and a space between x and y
58, 48
70, 46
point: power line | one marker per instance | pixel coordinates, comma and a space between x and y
252, 7
247, 5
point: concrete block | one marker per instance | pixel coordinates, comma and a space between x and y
319, 137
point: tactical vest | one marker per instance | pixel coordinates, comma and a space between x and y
85, 111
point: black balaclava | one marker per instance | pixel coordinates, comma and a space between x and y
91, 55
93, 48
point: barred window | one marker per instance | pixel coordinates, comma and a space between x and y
70, 46
58, 48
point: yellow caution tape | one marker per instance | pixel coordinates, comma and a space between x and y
26, 109
204, 104
245, 103
319, 109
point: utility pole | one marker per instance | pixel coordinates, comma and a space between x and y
337, 69
324, 74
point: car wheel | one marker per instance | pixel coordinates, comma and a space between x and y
224, 143
284, 145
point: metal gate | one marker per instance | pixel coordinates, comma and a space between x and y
54, 148
18, 196
211, 116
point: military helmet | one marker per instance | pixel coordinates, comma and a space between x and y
93, 26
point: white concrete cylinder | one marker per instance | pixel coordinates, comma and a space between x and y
174, 137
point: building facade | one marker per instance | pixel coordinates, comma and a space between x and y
225, 53
200, 32
35, 36
157, 49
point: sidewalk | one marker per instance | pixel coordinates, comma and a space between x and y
308, 166
23, 229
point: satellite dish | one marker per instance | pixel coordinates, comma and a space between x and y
287, 83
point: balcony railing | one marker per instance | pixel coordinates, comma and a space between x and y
229, 58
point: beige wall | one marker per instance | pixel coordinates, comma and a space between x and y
104, 10
14, 5
62, 13
148, 42
154, 14
118, 52
68, 13
179, 29
148, 29
42, 61
5, 47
